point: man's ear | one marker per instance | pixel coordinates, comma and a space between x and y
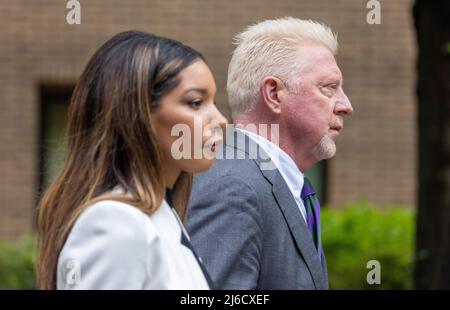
272, 89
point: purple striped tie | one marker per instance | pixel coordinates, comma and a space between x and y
312, 206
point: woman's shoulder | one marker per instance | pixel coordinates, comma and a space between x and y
113, 209
118, 220
107, 236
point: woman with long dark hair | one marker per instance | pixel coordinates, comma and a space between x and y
104, 222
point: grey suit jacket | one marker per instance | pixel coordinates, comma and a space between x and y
246, 226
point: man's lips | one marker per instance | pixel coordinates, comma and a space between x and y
337, 125
335, 130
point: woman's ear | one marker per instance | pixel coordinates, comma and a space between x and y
272, 89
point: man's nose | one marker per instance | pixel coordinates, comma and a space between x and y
343, 105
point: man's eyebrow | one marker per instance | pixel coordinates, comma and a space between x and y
202, 91
340, 78
333, 79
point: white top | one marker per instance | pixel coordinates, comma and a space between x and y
286, 166
113, 245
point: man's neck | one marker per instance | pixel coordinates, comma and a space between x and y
265, 128
268, 130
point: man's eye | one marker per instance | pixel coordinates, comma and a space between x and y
333, 86
330, 89
327, 91
195, 103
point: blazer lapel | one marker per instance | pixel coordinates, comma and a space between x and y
296, 225
289, 208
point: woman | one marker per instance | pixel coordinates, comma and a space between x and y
104, 223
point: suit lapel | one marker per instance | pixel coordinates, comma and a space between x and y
296, 225
289, 209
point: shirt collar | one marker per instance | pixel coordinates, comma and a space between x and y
282, 161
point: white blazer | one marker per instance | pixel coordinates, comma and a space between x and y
113, 245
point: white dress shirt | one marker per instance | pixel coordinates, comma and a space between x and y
286, 166
113, 245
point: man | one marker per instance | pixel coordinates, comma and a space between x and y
255, 227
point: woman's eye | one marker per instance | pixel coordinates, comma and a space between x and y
195, 103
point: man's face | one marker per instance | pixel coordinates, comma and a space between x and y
314, 106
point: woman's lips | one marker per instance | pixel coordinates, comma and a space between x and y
213, 146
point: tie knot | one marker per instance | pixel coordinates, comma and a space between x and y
307, 189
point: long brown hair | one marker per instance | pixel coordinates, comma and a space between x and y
110, 139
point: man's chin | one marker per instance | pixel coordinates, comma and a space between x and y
326, 148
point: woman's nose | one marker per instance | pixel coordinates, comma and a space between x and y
218, 118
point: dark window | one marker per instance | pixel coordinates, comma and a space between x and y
54, 105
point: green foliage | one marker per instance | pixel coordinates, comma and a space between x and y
359, 233
17, 264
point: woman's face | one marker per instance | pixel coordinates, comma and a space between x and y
188, 124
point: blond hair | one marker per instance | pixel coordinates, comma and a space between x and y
270, 48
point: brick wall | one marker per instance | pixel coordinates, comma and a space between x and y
376, 153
